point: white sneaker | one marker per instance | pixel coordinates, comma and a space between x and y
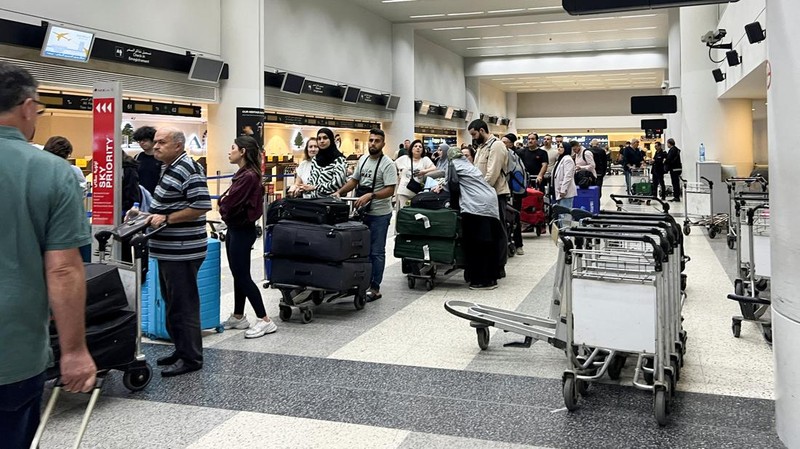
236, 323
520, 251
260, 329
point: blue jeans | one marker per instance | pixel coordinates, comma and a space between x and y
378, 229
628, 181
19, 411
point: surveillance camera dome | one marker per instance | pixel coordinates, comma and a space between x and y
713, 36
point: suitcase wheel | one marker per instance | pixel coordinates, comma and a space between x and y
308, 316
360, 300
137, 379
285, 313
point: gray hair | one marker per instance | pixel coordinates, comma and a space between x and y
594, 142
175, 135
16, 85
634, 140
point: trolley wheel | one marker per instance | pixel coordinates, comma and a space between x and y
307, 317
570, 393
766, 331
220, 328
412, 282
137, 379
360, 300
285, 313
736, 328
259, 231
615, 367
221, 236
762, 284
676, 374
731, 242
265, 285
660, 406
483, 337
687, 229
429, 284
712, 232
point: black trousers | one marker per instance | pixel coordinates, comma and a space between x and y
600, 184
502, 201
677, 192
238, 244
482, 248
179, 289
658, 180
516, 203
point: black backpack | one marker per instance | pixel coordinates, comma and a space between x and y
600, 160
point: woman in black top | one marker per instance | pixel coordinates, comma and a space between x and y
240, 207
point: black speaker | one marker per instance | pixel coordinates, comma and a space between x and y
733, 58
659, 123
654, 104
755, 33
718, 75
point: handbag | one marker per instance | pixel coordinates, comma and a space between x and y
413, 184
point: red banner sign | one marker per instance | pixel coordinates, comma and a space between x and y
103, 155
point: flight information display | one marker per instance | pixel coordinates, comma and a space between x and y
68, 44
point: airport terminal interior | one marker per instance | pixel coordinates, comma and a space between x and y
403, 371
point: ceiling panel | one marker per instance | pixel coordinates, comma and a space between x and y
554, 82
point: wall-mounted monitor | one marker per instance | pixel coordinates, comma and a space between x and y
206, 69
505, 122
351, 94
659, 123
67, 43
293, 84
424, 108
654, 104
448, 115
392, 103
493, 119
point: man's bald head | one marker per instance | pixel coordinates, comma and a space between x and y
169, 143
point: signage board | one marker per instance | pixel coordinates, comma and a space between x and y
106, 141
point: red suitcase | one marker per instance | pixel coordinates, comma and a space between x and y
533, 212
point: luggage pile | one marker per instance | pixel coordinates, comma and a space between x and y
533, 211
313, 253
427, 238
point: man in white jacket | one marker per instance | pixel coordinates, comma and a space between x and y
584, 159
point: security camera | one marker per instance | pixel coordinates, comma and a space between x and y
665, 85
713, 36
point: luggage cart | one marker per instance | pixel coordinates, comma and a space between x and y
430, 258
619, 299
697, 207
638, 203
641, 184
749, 291
736, 186
743, 201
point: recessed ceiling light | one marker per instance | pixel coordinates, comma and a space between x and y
611, 49
531, 35
473, 13
497, 37
558, 21
473, 27
596, 18
602, 31
479, 48
510, 46
520, 24
425, 16
565, 32
397, 1
466, 39
640, 28
448, 28
640, 48
543, 8
501, 11
637, 16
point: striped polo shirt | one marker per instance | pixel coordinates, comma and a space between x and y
182, 185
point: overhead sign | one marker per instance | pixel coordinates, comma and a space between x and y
107, 118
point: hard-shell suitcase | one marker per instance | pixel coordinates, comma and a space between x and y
322, 242
330, 276
588, 200
105, 293
208, 283
311, 210
428, 223
431, 200
425, 249
532, 211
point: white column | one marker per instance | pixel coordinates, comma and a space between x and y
725, 127
242, 26
511, 111
402, 126
674, 121
473, 104
784, 115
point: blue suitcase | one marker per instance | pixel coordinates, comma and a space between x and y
208, 283
588, 199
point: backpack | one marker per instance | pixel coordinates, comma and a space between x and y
600, 161
515, 174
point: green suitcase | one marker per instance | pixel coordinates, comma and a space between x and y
428, 249
442, 223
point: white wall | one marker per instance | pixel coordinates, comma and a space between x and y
174, 25
736, 16
438, 74
601, 103
492, 101
329, 41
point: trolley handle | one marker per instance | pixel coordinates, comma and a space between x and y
752, 212
606, 234
666, 227
664, 243
749, 299
708, 181
618, 200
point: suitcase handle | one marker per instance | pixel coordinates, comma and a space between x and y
86, 415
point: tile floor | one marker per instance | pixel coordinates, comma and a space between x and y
404, 373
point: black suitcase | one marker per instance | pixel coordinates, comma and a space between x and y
111, 343
310, 210
322, 242
105, 294
335, 277
431, 200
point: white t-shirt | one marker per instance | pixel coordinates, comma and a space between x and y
303, 171
403, 164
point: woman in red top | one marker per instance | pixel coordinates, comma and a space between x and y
240, 207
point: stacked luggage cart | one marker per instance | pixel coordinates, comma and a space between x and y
618, 294
313, 254
739, 190
427, 240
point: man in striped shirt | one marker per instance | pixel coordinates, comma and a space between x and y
181, 200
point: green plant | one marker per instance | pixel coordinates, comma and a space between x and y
298, 140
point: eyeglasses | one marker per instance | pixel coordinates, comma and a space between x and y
40, 107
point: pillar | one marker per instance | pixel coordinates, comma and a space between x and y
402, 126
473, 104
725, 127
784, 114
511, 111
244, 53
674, 121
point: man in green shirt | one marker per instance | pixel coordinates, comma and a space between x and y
40, 265
375, 178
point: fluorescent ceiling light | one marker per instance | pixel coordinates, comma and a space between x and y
510, 46
558, 21
543, 8
602, 31
637, 16
531, 35
565, 32
501, 11
466, 39
479, 48
473, 13
596, 18
639, 48
397, 1
473, 27
617, 79
610, 49
520, 24
448, 28
640, 28
425, 16
497, 37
